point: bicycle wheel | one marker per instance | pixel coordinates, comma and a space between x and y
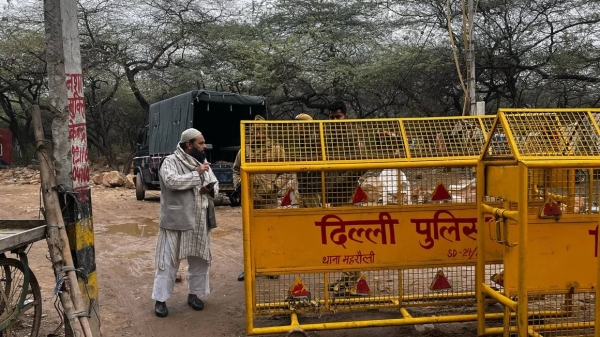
27, 322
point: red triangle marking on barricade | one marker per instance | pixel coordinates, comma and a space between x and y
551, 210
298, 289
359, 196
440, 282
287, 198
440, 193
362, 287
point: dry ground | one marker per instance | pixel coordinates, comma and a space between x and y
125, 239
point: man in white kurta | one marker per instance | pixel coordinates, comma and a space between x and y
186, 182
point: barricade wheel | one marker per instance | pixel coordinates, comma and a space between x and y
296, 333
24, 321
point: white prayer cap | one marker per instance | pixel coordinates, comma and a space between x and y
189, 134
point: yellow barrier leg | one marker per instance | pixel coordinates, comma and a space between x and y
597, 311
522, 251
482, 233
248, 274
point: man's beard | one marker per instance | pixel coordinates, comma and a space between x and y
200, 156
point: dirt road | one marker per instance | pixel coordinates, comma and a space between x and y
125, 232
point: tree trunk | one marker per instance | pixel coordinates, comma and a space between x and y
58, 242
136, 91
128, 162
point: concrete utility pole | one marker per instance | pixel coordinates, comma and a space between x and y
69, 140
471, 60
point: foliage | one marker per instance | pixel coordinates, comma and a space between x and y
384, 58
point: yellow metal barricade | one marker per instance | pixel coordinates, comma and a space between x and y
361, 214
542, 165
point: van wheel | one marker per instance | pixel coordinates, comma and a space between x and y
140, 194
235, 199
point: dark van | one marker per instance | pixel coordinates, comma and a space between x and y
216, 114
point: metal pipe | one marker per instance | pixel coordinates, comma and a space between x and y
481, 239
597, 311
525, 111
400, 287
405, 313
590, 192
255, 122
377, 323
498, 297
562, 326
573, 162
500, 162
501, 212
381, 299
248, 275
522, 316
294, 320
405, 140
288, 167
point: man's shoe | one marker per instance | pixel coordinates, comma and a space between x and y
160, 308
241, 277
195, 302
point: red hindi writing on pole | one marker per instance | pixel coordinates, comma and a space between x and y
80, 155
77, 132
81, 176
74, 83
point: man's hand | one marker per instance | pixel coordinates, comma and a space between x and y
203, 168
207, 189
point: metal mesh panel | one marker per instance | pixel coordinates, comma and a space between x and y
498, 145
460, 183
561, 315
564, 133
444, 137
417, 285
282, 142
266, 194
488, 123
273, 293
347, 293
367, 188
348, 140
574, 190
367, 290
358, 140
363, 188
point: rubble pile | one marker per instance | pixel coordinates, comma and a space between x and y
20, 175
31, 175
113, 179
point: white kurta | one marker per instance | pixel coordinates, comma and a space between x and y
173, 246
195, 242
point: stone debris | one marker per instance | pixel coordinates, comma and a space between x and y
20, 175
31, 175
